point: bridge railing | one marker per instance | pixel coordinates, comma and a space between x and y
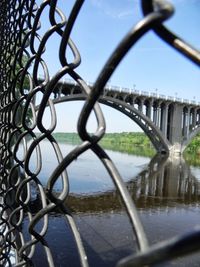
25, 36
119, 89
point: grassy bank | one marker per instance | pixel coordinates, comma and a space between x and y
130, 142
194, 146
133, 143
126, 138
71, 138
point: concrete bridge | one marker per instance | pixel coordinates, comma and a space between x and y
169, 122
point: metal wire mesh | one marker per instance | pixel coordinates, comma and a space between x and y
21, 63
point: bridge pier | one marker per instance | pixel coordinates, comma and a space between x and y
164, 119
175, 135
184, 121
148, 109
188, 123
194, 118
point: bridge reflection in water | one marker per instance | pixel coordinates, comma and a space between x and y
167, 196
165, 180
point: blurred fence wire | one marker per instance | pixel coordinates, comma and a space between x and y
21, 64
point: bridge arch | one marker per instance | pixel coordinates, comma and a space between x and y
151, 130
169, 122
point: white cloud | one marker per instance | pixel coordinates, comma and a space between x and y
117, 9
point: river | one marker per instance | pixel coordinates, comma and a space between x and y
166, 192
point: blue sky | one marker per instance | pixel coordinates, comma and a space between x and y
150, 65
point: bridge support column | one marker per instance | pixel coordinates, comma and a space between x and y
176, 129
194, 118
164, 120
158, 119
149, 109
198, 121
184, 122
197, 117
155, 110
140, 106
188, 124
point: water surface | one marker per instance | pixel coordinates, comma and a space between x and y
166, 192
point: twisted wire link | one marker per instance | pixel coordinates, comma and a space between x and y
23, 44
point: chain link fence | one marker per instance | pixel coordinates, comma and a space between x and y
21, 64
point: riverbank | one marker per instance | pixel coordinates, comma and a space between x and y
128, 138
136, 143
194, 146
130, 142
